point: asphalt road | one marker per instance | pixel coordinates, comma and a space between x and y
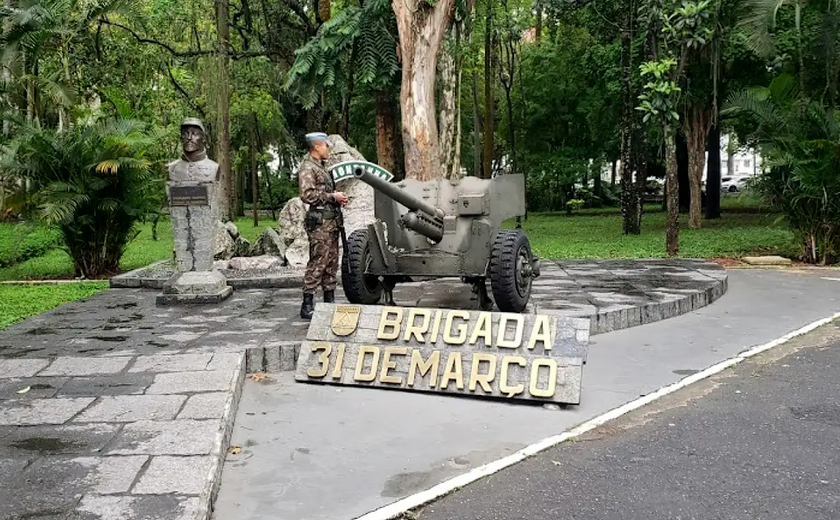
759, 441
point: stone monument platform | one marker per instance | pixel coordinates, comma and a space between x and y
613, 294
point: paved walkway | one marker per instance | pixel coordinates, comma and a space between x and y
757, 441
114, 408
370, 448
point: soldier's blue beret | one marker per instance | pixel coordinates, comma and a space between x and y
314, 137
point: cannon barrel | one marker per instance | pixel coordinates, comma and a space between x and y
423, 225
390, 190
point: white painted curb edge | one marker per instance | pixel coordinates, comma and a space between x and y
395, 509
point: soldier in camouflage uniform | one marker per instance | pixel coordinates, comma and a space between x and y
322, 224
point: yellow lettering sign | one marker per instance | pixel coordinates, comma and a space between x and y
516, 341
462, 328
360, 364
387, 364
535, 390
323, 360
454, 371
541, 332
482, 379
418, 364
389, 327
417, 330
482, 329
436, 327
338, 362
505, 388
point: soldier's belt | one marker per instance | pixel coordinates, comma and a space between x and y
327, 213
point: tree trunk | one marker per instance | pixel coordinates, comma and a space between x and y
489, 108
506, 77
226, 188
539, 24
612, 173
421, 27
385, 131
696, 130
672, 197
731, 149
450, 109
597, 189
682, 172
630, 225
713, 175
255, 187
476, 128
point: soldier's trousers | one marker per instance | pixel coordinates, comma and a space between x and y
323, 258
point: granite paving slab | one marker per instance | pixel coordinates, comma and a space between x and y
73, 447
130, 405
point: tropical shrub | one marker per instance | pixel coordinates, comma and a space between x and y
94, 182
800, 143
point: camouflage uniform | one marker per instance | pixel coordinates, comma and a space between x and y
321, 224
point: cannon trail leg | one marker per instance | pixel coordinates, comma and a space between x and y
388, 292
479, 288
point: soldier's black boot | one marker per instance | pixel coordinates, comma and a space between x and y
329, 296
307, 309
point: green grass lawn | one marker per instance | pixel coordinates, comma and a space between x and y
738, 233
23, 301
588, 234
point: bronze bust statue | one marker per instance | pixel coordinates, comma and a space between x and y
193, 164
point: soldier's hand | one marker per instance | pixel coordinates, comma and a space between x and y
341, 198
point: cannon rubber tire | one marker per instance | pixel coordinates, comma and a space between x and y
507, 247
356, 285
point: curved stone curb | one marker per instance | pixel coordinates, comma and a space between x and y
610, 321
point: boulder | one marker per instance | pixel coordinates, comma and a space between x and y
231, 229
221, 265
242, 247
257, 263
225, 246
292, 234
270, 243
359, 211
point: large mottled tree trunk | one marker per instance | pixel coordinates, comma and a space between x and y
225, 182
476, 128
489, 101
672, 195
421, 27
630, 224
255, 185
386, 127
450, 106
713, 175
696, 130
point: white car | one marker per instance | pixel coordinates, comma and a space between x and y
733, 184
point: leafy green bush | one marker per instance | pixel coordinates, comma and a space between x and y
800, 143
20, 242
94, 182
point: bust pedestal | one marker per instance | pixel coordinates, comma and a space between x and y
193, 210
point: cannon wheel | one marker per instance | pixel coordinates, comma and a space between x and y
358, 287
510, 270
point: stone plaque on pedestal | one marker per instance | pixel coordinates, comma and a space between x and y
193, 209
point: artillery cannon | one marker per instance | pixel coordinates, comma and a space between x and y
439, 229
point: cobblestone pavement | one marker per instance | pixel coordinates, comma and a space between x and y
111, 407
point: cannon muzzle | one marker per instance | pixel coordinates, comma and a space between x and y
422, 217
